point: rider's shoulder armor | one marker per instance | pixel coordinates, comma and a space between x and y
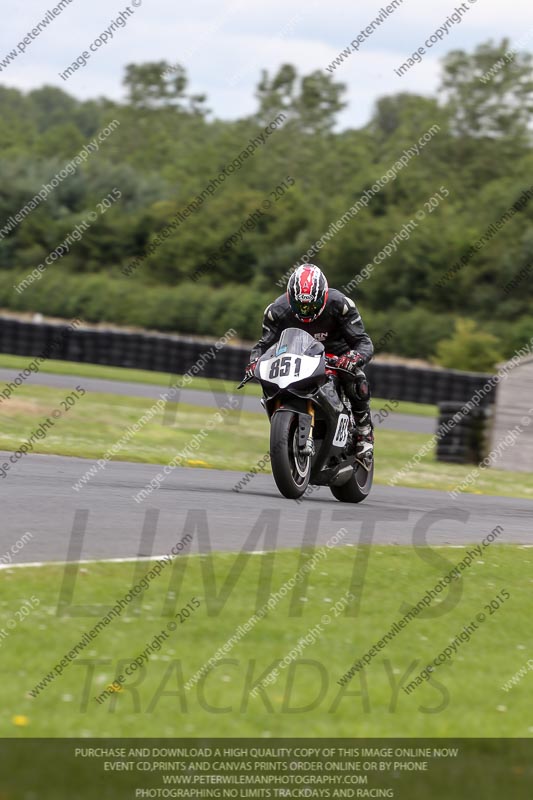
339, 304
278, 309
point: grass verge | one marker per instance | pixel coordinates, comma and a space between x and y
463, 697
163, 379
98, 421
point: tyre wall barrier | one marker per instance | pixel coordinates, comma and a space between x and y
176, 355
465, 440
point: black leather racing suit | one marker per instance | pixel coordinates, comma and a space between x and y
340, 329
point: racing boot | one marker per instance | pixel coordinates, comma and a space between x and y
362, 442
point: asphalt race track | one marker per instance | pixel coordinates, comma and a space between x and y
37, 496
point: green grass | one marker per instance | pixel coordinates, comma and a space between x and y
163, 379
463, 699
98, 421
85, 370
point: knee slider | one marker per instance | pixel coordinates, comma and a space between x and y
361, 388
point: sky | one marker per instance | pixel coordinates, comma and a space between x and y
225, 44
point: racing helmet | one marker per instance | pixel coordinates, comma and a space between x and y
307, 292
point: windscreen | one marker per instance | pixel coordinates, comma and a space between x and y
294, 340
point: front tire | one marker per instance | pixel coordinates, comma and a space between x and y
357, 488
290, 469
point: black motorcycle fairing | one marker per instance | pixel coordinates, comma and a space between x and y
297, 343
333, 420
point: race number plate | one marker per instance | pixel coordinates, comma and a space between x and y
287, 369
341, 434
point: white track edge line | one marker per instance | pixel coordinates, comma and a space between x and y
129, 560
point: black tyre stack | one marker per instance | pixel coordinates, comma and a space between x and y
462, 438
424, 384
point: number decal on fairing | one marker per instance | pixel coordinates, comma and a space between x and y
341, 434
282, 367
284, 370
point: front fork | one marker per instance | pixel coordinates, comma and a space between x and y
306, 425
309, 446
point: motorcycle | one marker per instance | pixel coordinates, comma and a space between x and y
310, 420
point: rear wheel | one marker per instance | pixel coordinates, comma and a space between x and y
357, 488
291, 470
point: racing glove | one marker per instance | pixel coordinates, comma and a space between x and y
250, 369
349, 362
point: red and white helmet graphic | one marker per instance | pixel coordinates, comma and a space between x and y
307, 292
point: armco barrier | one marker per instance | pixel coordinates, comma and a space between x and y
177, 354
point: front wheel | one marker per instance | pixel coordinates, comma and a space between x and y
291, 470
358, 487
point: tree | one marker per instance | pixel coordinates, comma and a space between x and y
276, 94
319, 102
311, 102
393, 113
489, 92
157, 84
52, 106
469, 348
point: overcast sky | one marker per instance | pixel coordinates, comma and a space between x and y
224, 44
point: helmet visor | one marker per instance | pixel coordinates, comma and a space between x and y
304, 309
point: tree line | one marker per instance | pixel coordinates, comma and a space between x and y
206, 216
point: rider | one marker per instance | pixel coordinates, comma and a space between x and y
334, 320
